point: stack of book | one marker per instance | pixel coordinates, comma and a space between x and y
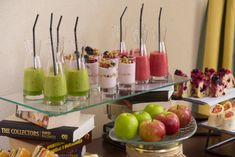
65, 135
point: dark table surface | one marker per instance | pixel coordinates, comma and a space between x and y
193, 147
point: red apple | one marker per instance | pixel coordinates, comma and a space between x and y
171, 122
152, 130
183, 113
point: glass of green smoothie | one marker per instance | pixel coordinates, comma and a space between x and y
78, 80
55, 87
33, 72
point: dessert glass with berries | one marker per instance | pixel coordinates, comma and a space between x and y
126, 72
107, 77
93, 70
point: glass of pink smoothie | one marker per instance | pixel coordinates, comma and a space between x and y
159, 65
142, 74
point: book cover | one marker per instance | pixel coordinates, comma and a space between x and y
45, 121
56, 147
18, 128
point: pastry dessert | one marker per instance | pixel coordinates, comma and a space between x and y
217, 87
209, 73
216, 115
21, 152
43, 152
227, 78
229, 120
4, 153
182, 90
200, 88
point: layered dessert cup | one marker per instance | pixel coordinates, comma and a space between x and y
93, 71
107, 76
126, 73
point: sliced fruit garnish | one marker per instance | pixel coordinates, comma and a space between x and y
229, 114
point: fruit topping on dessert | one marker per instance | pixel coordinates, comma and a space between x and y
180, 73
229, 114
209, 73
126, 59
111, 54
217, 109
90, 59
227, 78
106, 63
91, 51
227, 105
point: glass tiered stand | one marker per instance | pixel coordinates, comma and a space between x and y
136, 146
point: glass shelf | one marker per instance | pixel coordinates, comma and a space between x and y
183, 134
95, 98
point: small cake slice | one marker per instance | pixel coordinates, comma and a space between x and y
227, 78
216, 115
199, 85
217, 87
209, 73
182, 90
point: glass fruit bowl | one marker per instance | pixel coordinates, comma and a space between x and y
183, 134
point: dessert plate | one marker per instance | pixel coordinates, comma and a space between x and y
230, 93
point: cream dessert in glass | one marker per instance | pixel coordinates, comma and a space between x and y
107, 77
93, 70
126, 72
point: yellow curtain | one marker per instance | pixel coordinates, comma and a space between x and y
219, 37
229, 35
213, 33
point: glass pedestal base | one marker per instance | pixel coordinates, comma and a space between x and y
173, 151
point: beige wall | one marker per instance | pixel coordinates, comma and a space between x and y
182, 18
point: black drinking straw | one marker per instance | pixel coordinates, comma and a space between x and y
159, 28
58, 34
76, 44
121, 26
52, 48
141, 13
34, 47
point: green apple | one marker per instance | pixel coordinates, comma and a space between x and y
154, 109
126, 126
142, 116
